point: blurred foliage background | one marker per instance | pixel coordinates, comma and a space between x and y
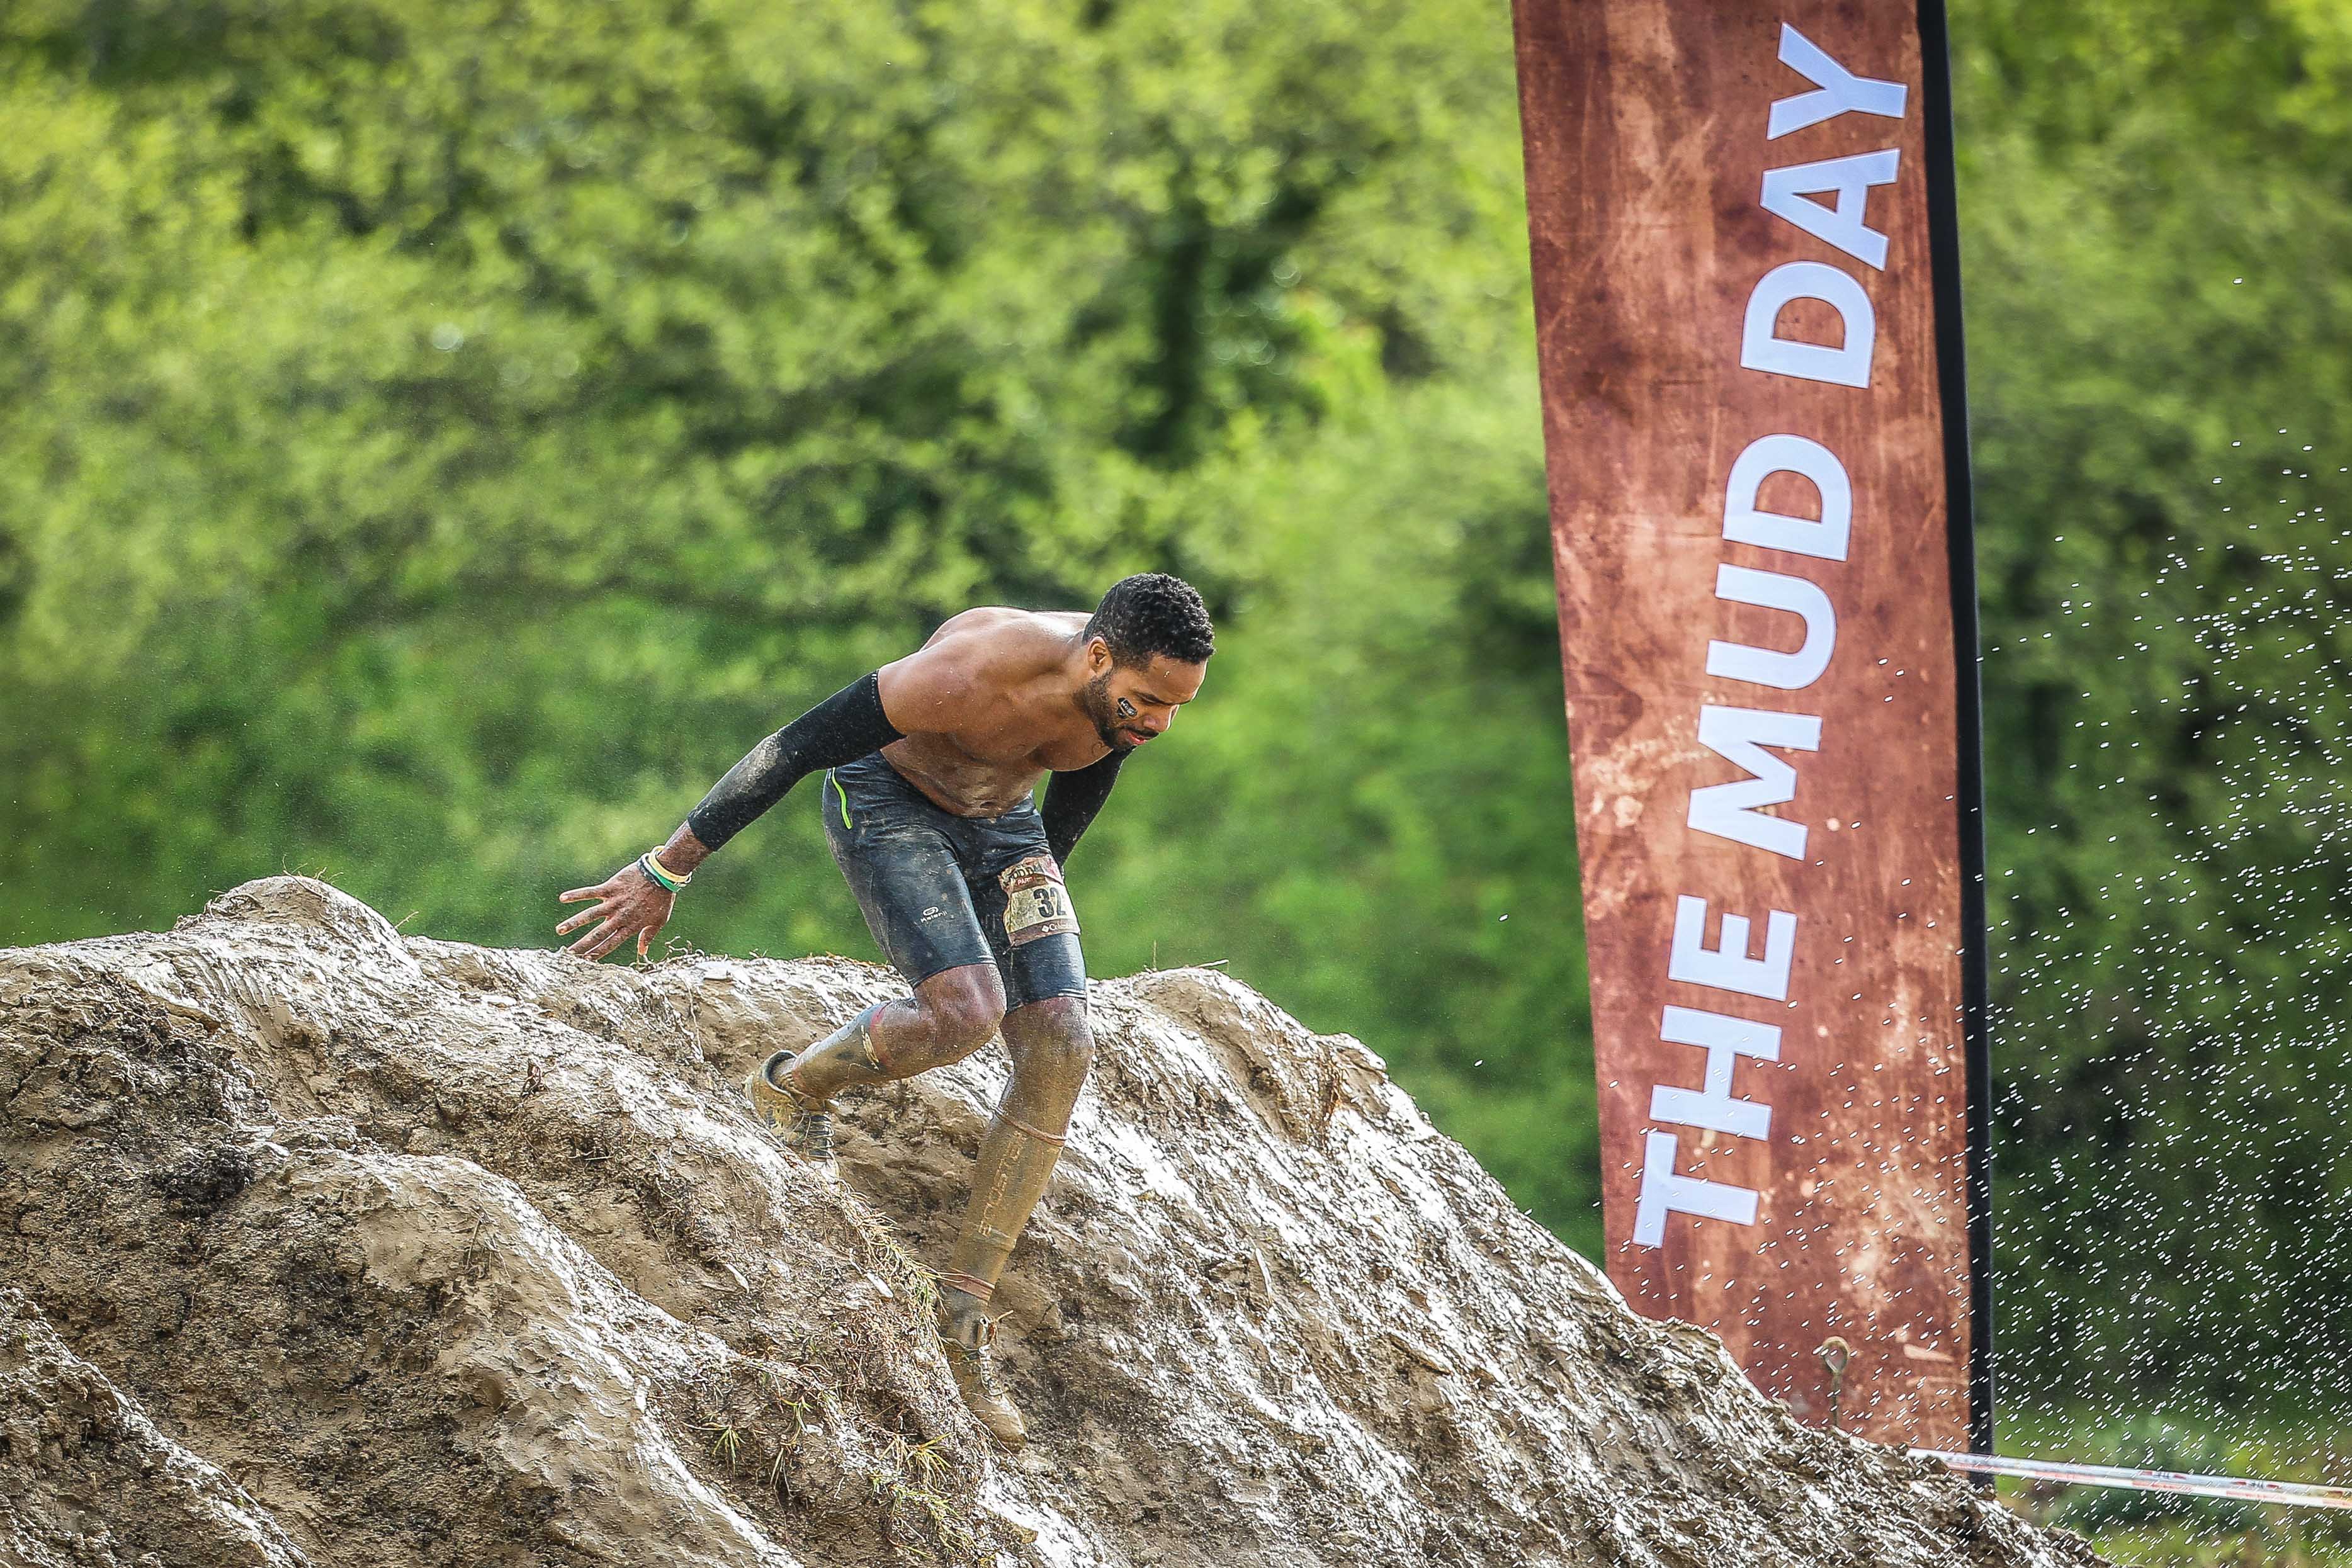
443, 434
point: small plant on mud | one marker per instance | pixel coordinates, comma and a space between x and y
728, 1444
926, 1460
937, 1523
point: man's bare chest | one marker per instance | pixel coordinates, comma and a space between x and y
1027, 741
987, 772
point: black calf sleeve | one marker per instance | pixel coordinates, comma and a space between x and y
842, 728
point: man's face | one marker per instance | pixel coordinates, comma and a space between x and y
1130, 706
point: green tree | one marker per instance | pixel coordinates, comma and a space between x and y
2154, 201
444, 435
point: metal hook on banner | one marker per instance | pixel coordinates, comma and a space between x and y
1835, 1356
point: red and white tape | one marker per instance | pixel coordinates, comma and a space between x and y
2294, 1494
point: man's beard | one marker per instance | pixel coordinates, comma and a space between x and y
1105, 718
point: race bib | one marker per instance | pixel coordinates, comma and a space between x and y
1035, 902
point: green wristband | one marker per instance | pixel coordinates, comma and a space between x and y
661, 878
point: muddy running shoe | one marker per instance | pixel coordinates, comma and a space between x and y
804, 1126
964, 1337
975, 1379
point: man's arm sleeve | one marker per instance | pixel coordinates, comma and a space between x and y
1071, 801
842, 728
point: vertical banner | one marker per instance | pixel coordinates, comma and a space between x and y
1747, 307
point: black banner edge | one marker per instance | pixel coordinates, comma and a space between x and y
1959, 534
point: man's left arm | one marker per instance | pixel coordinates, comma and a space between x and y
1072, 799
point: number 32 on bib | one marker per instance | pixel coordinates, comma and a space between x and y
1035, 902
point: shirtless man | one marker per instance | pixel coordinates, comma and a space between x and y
931, 761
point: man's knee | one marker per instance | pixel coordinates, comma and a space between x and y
1051, 1039
966, 1005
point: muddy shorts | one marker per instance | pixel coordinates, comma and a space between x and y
940, 890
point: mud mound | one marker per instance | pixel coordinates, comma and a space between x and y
327, 1245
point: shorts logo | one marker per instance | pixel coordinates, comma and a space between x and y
1037, 904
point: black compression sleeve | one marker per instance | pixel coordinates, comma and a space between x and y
1072, 799
842, 728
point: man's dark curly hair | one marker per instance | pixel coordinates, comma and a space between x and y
1150, 613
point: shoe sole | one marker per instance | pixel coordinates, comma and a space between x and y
775, 1111
770, 1106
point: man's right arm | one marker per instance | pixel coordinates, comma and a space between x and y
1071, 801
842, 728
937, 683
937, 690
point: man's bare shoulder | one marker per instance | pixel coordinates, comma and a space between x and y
974, 665
1007, 643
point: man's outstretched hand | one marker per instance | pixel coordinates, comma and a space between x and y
629, 903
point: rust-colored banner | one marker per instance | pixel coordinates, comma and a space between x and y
1740, 217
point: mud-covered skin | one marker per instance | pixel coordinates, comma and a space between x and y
787, 1070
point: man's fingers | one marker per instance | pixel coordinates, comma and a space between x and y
645, 936
582, 918
587, 946
573, 895
609, 936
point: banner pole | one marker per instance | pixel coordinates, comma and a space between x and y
2289, 1494
1944, 250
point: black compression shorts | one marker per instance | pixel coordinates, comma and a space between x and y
940, 890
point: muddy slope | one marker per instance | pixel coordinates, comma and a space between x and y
320, 1244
